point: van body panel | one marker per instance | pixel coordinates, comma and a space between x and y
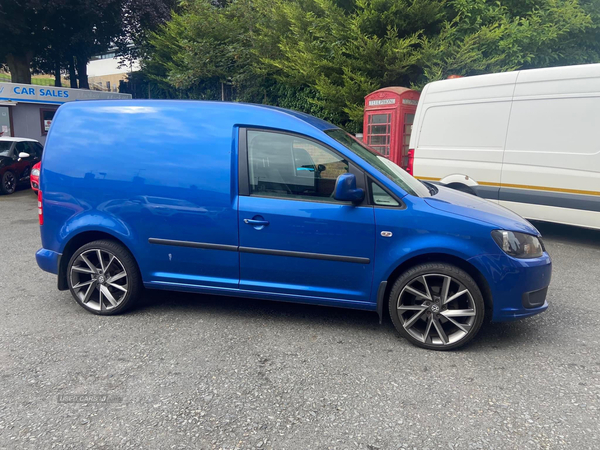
310, 230
551, 154
566, 216
497, 86
467, 205
157, 200
463, 139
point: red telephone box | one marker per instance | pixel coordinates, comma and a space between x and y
389, 115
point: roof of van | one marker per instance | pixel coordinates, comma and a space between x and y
235, 111
500, 85
311, 120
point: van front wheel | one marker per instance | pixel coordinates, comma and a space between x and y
104, 278
436, 306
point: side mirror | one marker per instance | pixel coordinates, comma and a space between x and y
346, 191
23, 155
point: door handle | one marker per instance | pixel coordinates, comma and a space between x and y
256, 222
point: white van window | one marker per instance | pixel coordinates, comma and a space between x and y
557, 125
283, 165
473, 125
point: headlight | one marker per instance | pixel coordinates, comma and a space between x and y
518, 245
35, 172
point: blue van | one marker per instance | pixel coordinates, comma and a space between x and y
257, 201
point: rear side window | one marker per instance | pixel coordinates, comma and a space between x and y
287, 166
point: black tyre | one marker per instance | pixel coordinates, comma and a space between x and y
8, 183
104, 278
436, 306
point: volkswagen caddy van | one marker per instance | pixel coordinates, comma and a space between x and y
255, 201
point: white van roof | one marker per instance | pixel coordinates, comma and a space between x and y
547, 81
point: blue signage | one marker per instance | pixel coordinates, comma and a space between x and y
41, 94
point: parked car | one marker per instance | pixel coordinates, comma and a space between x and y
256, 201
17, 156
527, 140
35, 177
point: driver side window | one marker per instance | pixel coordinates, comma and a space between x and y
21, 147
287, 166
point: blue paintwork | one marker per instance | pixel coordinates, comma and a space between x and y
312, 227
345, 189
47, 260
169, 170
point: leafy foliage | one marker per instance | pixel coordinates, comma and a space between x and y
50, 34
324, 56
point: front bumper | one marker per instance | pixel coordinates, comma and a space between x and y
48, 260
518, 286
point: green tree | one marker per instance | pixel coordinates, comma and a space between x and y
21, 36
324, 56
65, 33
207, 52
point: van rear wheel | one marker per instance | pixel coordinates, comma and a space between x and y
104, 278
437, 306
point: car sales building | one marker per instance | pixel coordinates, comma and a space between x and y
27, 110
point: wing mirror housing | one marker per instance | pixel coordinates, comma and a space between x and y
23, 155
346, 190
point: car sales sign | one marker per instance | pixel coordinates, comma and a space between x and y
28, 93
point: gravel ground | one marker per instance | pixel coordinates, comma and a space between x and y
187, 371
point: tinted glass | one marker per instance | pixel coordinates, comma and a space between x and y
381, 197
5, 148
282, 165
33, 150
21, 147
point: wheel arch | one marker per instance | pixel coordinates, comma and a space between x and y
459, 179
75, 242
443, 258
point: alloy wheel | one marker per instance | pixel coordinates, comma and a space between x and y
436, 309
10, 182
99, 279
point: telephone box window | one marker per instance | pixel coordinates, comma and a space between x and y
379, 133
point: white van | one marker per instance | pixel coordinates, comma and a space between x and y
528, 140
